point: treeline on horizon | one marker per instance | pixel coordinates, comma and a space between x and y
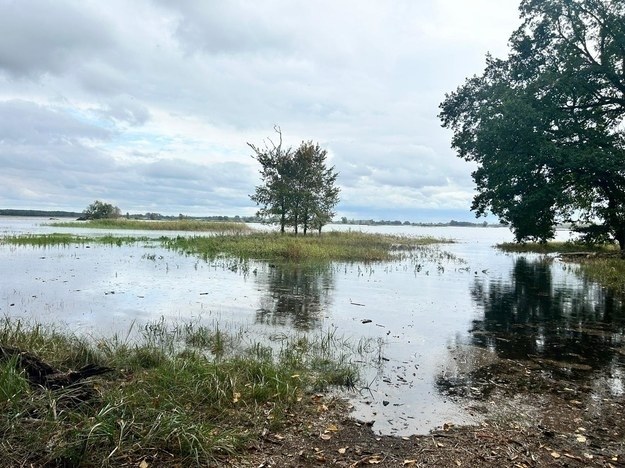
242, 219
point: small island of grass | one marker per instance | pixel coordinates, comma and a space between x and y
331, 246
160, 225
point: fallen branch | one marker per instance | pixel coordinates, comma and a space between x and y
39, 372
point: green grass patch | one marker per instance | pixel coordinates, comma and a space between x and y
167, 225
609, 272
54, 239
601, 265
181, 395
331, 246
556, 247
335, 246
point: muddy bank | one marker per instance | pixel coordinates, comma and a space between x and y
535, 413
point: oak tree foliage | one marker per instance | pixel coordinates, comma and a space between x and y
546, 125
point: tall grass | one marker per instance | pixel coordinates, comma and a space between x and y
337, 246
609, 272
48, 240
331, 246
556, 247
167, 225
171, 400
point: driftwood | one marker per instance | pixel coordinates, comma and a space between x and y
40, 373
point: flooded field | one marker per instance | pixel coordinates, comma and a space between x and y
426, 322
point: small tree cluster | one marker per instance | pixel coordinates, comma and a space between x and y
101, 210
298, 189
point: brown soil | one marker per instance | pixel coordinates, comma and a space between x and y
536, 414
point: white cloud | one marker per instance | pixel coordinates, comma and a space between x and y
150, 104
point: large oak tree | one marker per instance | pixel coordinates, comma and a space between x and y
545, 125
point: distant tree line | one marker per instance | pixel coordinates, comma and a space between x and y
40, 213
371, 222
298, 190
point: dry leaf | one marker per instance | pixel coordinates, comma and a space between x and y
409, 462
555, 454
143, 464
374, 461
235, 397
332, 428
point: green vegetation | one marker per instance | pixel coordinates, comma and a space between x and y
169, 225
298, 189
338, 246
545, 125
600, 265
609, 272
101, 210
556, 247
46, 240
173, 399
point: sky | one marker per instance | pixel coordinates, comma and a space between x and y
149, 105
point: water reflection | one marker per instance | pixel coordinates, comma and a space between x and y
294, 295
538, 312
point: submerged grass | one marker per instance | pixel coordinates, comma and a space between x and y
337, 246
556, 247
167, 225
609, 272
169, 402
47, 240
601, 265
331, 246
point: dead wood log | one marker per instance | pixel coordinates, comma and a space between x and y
40, 373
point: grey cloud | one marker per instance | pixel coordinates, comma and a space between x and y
226, 27
125, 109
41, 37
32, 123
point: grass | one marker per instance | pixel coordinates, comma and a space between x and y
556, 247
182, 395
605, 268
48, 240
609, 272
169, 225
332, 246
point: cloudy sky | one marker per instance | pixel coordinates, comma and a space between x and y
149, 104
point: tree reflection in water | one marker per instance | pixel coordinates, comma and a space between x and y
535, 315
295, 295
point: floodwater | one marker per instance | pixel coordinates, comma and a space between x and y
421, 319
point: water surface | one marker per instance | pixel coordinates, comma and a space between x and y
420, 317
